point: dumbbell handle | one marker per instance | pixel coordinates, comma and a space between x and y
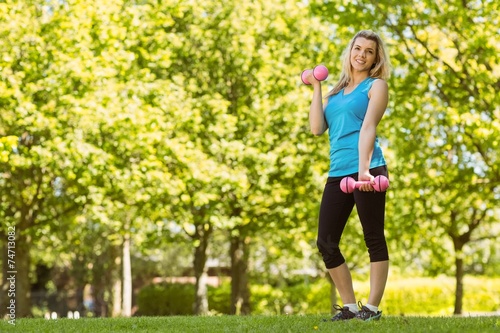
358, 183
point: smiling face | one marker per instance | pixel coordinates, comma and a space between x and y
363, 54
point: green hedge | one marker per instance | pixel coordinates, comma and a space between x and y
419, 296
166, 299
304, 298
170, 299
436, 296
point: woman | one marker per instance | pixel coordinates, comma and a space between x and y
352, 111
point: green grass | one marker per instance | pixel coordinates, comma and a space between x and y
260, 324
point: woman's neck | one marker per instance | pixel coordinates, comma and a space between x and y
357, 78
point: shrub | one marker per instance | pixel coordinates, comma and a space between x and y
267, 300
170, 299
166, 299
219, 299
436, 296
305, 298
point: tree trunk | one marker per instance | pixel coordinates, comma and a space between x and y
101, 306
459, 241
79, 271
117, 288
459, 283
201, 301
127, 277
16, 286
79, 295
4, 283
200, 270
21, 272
240, 291
105, 273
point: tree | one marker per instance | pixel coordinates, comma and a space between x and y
38, 173
80, 127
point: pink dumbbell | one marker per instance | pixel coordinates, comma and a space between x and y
319, 72
348, 184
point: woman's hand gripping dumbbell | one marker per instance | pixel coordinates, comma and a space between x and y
348, 184
319, 72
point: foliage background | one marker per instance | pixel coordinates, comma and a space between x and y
168, 133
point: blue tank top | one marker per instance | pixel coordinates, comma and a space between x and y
344, 115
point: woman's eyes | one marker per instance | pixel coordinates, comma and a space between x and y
358, 48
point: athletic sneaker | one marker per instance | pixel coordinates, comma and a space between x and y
367, 314
344, 313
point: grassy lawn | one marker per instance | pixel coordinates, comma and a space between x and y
261, 324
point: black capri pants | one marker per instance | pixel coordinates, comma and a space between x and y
336, 207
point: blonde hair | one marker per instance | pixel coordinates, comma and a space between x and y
380, 69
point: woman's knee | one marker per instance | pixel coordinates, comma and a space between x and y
330, 251
377, 249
